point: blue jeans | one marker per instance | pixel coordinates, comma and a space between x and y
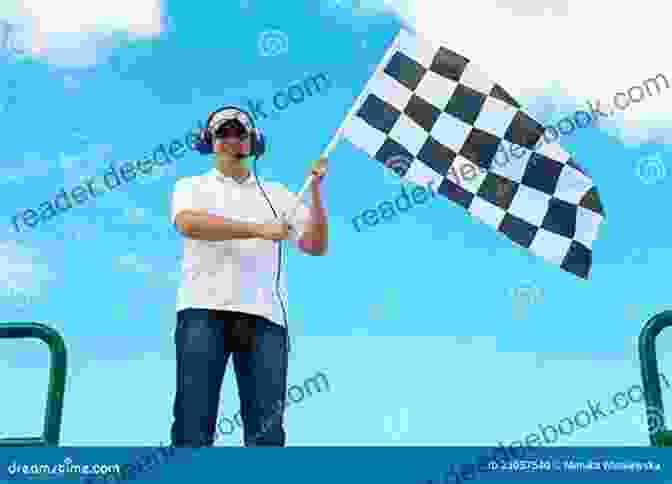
204, 340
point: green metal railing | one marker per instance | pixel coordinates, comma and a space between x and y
57, 373
658, 433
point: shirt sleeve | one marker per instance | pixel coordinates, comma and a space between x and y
183, 198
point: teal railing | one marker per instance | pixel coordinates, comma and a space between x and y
57, 373
658, 434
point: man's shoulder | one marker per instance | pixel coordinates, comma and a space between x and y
192, 181
276, 185
273, 185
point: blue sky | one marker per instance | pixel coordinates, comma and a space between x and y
412, 320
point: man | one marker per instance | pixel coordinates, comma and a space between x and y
228, 301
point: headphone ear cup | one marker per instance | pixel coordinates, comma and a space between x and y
204, 143
258, 143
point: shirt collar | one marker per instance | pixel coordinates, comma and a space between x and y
216, 175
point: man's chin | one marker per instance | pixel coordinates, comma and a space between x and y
237, 157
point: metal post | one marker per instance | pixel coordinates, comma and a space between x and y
57, 375
658, 433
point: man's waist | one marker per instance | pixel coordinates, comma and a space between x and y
247, 273
270, 311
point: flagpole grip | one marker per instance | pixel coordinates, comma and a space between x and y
339, 132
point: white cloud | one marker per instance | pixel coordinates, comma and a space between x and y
570, 49
86, 16
25, 274
72, 32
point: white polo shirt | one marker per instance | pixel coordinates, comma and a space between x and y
235, 275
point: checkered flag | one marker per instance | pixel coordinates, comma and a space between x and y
440, 112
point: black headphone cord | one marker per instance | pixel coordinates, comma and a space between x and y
277, 274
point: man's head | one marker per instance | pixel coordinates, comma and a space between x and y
231, 141
230, 130
232, 137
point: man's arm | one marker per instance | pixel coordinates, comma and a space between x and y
200, 225
316, 236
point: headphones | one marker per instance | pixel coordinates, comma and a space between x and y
204, 144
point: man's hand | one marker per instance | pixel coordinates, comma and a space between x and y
319, 170
274, 231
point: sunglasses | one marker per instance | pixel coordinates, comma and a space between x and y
232, 131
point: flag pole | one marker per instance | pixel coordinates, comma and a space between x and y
339, 132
